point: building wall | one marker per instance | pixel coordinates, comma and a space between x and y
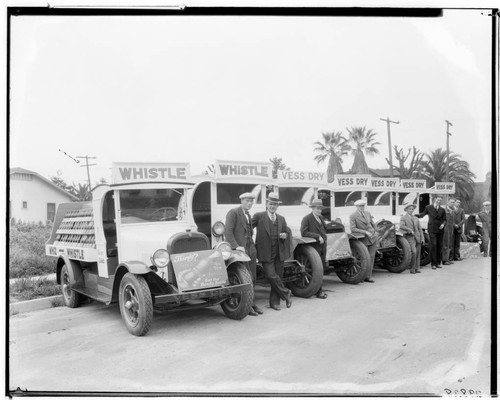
36, 193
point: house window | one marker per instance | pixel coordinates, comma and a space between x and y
25, 204
51, 211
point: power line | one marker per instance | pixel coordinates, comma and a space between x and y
87, 158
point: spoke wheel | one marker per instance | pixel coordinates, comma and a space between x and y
356, 271
400, 258
308, 283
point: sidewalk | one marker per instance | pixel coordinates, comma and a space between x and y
35, 304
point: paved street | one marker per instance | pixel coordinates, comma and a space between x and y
406, 334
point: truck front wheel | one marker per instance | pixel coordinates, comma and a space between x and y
238, 305
356, 271
399, 260
136, 304
71, 298
310, 282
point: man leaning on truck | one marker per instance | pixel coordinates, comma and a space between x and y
239, 233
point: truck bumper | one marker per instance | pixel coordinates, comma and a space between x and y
221, 292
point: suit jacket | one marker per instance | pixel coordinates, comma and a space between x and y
262, 222
459, 219
236, 232
310, 227
486, 220
436, 218
410, 223
360, 224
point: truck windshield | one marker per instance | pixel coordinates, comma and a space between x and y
229, 193
295, 196
151, 205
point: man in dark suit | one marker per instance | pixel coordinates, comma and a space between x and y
435, 226
313, 225
485, 220
238, 234
458, 223
362, 223
272, 250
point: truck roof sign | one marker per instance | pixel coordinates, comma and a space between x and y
244, 170
132, 172
352, 182
413, 185
304, 178
443, 188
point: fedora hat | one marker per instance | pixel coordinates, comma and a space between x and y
360, 202
273, 198
316, 203
408, 205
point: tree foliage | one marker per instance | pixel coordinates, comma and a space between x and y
333, 148
361, 142
415, 168
278, 164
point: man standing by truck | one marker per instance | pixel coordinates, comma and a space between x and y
271, 250
485, 219
239, 232
458, 223
437, 221
313, 225
362, 223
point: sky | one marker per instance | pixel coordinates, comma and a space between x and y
199, 89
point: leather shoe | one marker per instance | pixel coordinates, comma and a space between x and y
418, 271
252, 313
446, 263
288, 299
412, 272
439, 266
258, 310
277, 308
321, 295
458, 259
369, 280
433, 267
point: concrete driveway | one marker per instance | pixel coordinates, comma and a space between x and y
406, 334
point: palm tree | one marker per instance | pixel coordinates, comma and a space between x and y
81, 191
278, 164
362, 141
459, 172
333, 147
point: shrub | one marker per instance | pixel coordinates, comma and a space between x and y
28, 289
27, 250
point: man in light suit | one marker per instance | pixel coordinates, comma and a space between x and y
413, 233
272, 249
238, 234
437, 221
458, 223
362, 223
313, 225
485, 219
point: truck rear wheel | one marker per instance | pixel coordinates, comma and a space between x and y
400, 258
71, 298
425, 251
310, 282
238, 306
136, 304
355, 272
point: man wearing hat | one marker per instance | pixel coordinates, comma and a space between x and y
458, 223
362, 222
238, 234
449, 232
436, 224
272, 250
313, 225
413, 233
485, 219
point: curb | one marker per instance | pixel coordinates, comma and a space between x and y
35, 305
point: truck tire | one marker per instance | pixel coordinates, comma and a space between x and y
238, 306
425, 251
136, 304
399, 262
309, 284
71, 298
356, 272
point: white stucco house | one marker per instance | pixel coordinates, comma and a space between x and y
33, 198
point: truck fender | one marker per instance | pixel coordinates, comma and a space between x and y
357, 237
74, 270
135, 267
237, 256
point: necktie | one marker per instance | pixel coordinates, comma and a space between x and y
273, 217
249, 219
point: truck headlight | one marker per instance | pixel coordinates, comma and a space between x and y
218, 229
225, 249
160, 258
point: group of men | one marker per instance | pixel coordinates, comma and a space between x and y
272, 244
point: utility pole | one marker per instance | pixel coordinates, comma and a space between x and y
87, 165
389, 122
393, 194
448, 134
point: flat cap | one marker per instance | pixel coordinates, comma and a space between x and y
247, 195
360, 202
487, 203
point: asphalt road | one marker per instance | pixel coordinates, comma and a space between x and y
427, 333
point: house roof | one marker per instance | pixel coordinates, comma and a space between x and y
384, 172
18, 170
